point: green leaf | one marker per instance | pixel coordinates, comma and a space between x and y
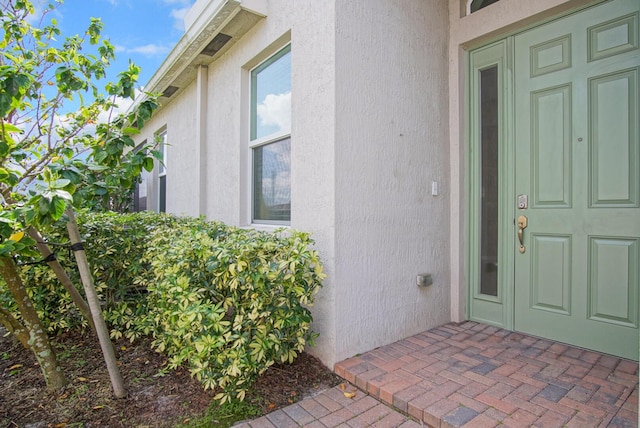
60, 184
63, 194
97, 168
6, 248
59, 205
10, 128
44, 205
148, 164
5, 147
130, 131
100, 191
5, 103
128, 141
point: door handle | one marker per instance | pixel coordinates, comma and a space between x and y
522, 225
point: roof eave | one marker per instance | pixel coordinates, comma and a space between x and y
212, 27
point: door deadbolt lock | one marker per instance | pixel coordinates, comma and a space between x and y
522, 223
523, 202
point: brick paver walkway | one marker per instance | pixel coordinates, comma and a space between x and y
481, 376
472, 375
332, 408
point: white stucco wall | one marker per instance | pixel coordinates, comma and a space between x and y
369, 135
377, 116
391, 144
313, 152
309, 26
178, 117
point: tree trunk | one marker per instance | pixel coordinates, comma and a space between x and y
14, 327
38, 339
92, 297
62, 276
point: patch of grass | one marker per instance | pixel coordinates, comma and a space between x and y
223, 416
79, 391
73, 353
64, 353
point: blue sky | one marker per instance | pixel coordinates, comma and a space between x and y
143, 31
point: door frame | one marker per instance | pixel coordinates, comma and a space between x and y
499, 311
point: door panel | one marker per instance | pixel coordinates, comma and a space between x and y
551, 56
613, 37
614, 147
613, 281
551, 276
551, 147
577, 157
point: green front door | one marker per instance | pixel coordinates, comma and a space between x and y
577, 179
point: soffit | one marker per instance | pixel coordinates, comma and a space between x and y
219, 24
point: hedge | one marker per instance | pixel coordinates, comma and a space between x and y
228, 302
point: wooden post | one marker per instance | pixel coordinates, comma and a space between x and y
62, 276
94, 304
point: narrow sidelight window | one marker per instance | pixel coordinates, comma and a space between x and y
489, 113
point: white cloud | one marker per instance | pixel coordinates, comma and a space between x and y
178, 2
148, 50
122, 105
178, 11
35, 18
275, 110
178, 17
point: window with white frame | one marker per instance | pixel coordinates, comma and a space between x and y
162, 172
270, 139
140, 192
476, 5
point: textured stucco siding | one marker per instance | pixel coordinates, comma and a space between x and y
378, 115
313, 153
309, 27
225, 171
178, 118
391, 144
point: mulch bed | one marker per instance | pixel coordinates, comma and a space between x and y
155, 398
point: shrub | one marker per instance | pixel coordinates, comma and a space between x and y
231, 302
115, 244
227, 302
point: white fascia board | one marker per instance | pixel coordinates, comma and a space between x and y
204, 8
203, 22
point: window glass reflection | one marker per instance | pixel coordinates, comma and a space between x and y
272, 97
272, 181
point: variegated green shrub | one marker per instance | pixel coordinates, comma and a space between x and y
230, 302
227, 302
